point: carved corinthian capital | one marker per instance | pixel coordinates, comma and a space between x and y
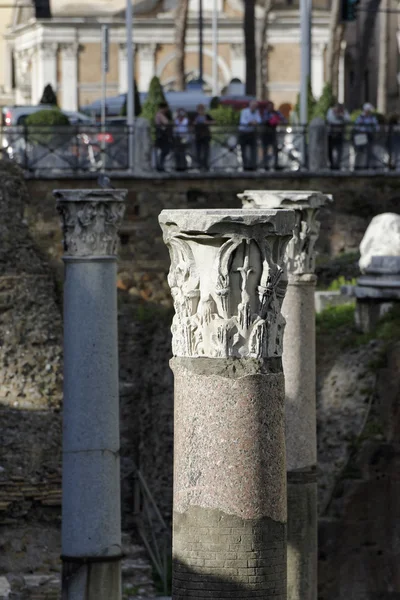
90, 220
300, 252
227, 281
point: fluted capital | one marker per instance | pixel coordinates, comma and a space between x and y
90, 220
300, 253
227, 281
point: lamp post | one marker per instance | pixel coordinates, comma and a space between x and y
215, 48
305, 70
130, 101
201, 28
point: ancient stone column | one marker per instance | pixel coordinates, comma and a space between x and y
299, 368
227, 282
91, 521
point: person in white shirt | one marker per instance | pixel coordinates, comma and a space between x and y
250, 119
181, 139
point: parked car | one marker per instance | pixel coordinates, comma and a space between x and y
71, 150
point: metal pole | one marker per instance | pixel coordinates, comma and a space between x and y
130, 101
104, 71
91, 507
201, 27
305, 67
215, 89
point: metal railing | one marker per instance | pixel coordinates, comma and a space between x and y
68, 148
152, 529
216, 149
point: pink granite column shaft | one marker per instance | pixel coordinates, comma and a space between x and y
229, 531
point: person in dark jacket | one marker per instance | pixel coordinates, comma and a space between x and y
202, 122
163, 135
271, 119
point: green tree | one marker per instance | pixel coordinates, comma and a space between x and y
48, 96
138, 105
311, 102
154, 98
325, 102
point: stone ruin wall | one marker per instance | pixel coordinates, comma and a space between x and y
30, 480
143, 258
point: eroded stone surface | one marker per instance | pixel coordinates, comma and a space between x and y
90, 220
30, 323
382, 238
227, 281
300, 252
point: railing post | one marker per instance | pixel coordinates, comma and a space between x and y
91, 515
229, 522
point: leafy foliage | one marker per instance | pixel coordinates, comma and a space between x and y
325, 102
42, 125
336, 284
138, 105
380, 117
337, 322
215, 102
311, 103
48, 96
225, 115
49, 118
154, 98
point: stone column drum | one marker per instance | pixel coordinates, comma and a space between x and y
91, 515
299, 368
227, 282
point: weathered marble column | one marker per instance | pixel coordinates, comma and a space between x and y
226, 279
299, 368
91, 521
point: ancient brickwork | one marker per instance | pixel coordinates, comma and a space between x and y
228, 557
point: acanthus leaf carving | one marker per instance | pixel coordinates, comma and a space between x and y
90, 222
227, 290
300, 253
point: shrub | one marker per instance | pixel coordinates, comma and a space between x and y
378, 115
225, 116
311, 105
154, 98
138, 105
48, 96
336, 284
215, 102
40, 125
325, 102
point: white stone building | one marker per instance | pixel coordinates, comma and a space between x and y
65, 49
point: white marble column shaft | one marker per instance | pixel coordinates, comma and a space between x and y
91, 512
69, 73
122, 69
46, 59
147, 65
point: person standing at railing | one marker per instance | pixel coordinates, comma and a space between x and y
337, 117
250, 120
365, 126
163, 135
181, 139
271, 119
202, 122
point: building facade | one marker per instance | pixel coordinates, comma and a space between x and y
65, 50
